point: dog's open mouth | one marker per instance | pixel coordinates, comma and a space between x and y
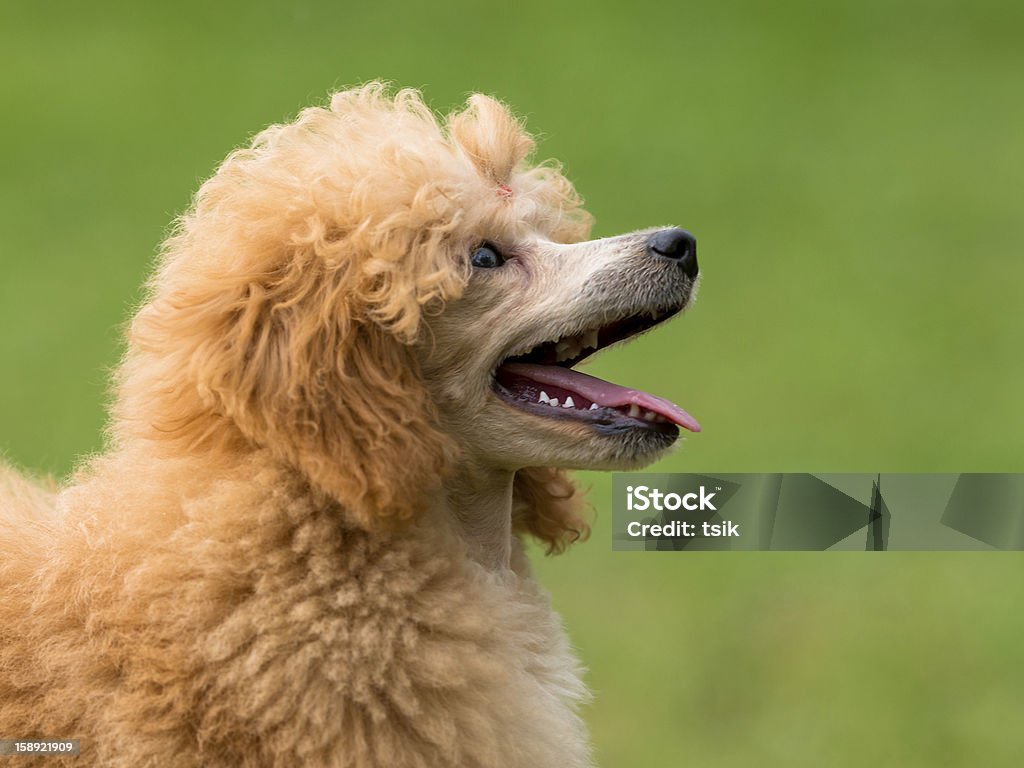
543, 382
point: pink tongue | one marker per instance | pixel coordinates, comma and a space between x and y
604, 393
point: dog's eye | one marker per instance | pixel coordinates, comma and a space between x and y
486, 256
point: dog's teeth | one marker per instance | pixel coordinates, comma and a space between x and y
568, 348
543, 397
649, 416
593, 406
553, 402
634, 410
569, 403
590, 340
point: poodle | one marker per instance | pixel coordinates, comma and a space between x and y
345, 403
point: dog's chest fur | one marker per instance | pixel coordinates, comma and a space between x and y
278, 636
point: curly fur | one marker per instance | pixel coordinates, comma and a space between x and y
273, 562
282, 291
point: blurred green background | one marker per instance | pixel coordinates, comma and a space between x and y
853, 172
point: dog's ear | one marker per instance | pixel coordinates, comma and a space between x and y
298, 368
547, 505
296, 365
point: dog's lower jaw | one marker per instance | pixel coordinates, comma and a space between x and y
477, 504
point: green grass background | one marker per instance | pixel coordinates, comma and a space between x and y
853, 172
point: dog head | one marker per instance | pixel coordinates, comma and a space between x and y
370, 294
500, 361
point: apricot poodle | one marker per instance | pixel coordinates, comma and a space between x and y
346, 400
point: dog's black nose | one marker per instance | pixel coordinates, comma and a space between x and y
677, 245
